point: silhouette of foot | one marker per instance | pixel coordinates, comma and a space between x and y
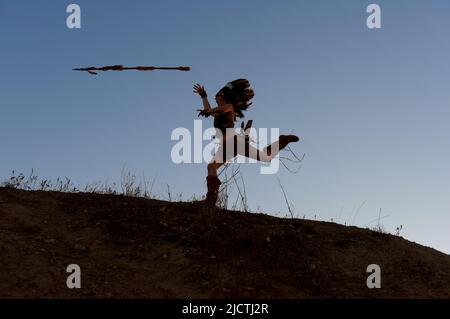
283, 141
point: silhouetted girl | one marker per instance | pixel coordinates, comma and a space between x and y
232, 100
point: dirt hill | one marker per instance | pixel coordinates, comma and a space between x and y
139, 248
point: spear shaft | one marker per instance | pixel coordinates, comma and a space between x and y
92, 69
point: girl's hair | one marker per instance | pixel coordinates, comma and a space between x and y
239, 93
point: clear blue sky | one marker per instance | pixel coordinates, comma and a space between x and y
371, 105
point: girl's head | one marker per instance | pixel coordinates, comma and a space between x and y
220, 98
238, 93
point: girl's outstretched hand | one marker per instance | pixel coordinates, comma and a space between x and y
199, 89
203, 112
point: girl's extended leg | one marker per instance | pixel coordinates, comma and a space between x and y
237, 145
269, 152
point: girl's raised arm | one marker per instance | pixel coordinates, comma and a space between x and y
200, 90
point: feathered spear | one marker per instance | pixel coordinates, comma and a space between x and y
91, 70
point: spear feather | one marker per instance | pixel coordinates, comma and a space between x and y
91, 70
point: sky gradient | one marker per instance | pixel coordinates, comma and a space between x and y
370, 105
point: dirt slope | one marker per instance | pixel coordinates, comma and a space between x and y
131, 247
